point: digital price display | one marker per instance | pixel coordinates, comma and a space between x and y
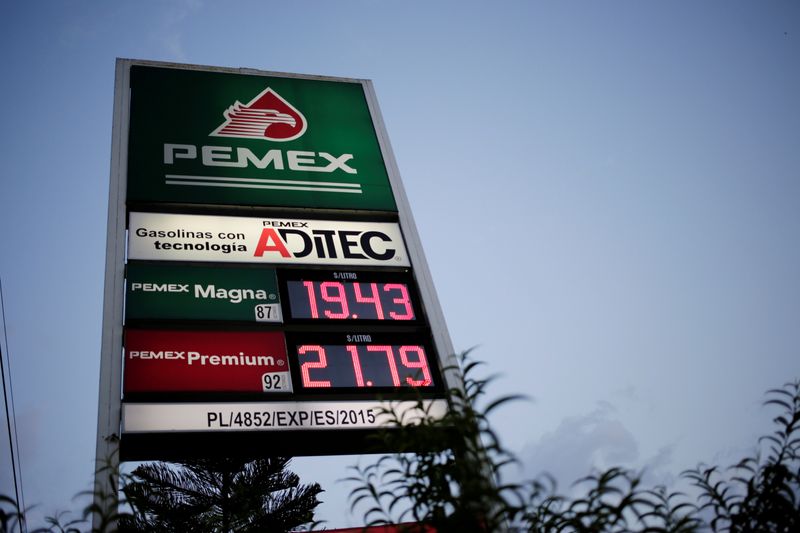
364, 362
361, 296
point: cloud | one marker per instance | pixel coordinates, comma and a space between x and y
594, 441
168, 33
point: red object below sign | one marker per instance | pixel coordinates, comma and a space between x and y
205, 361
398, 528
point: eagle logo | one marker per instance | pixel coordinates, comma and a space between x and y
267, 116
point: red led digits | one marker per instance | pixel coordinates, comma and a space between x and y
339, 298
389, 359
402, 299
373, 299
312, 299
385, 351
363, 366
336, 300
421, 363
322, 362
356, 365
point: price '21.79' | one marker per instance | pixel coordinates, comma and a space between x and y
363, 366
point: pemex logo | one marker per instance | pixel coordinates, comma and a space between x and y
267, 116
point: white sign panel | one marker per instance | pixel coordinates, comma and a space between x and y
274, 416
174, 237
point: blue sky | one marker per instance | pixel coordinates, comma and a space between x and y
608, 195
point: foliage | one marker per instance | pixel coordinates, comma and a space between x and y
11, 516
614, 502
105, 507
446, 474
444, 468
69, 526
218, 495
224, 495
12, 519
763, 491
103, 504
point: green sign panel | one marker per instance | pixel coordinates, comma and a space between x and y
201, 293
212, 137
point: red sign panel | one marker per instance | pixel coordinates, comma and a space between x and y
205, 361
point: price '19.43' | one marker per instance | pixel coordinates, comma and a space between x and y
336, 300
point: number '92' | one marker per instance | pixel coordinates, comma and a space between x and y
273, 382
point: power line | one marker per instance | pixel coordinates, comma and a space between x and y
11, 417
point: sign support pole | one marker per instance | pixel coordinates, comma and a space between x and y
106, 482
451, 369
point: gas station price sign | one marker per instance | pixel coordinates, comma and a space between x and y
363, 363
272, 279
382, 297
